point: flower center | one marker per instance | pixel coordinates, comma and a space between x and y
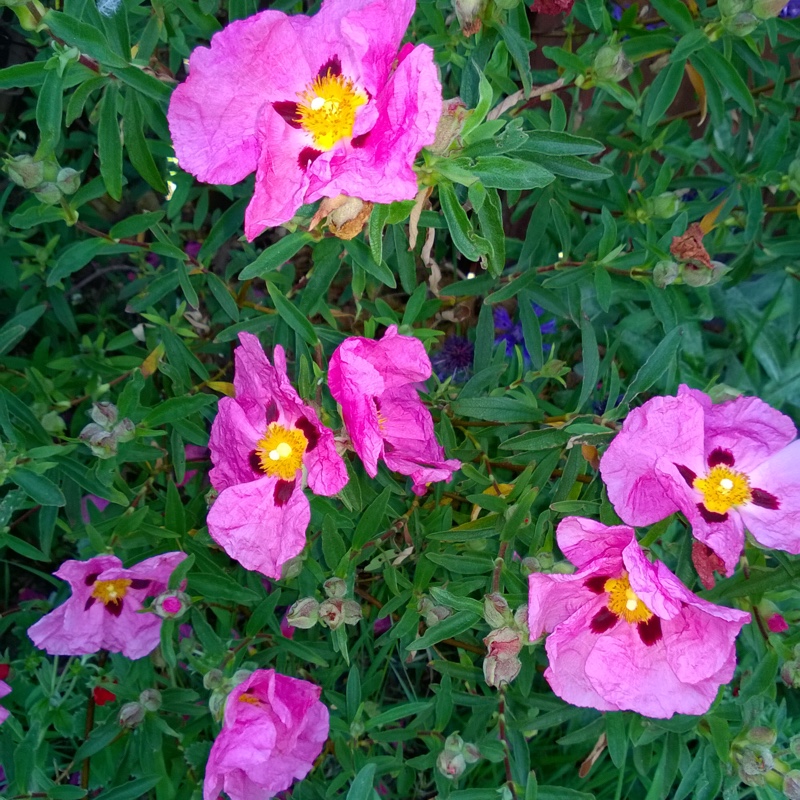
327, 109
723, 488
623, 601
109, 592
280, 452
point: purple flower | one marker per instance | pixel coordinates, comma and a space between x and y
454, 359
791, 10
511, 332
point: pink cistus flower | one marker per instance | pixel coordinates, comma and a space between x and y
262, 442
625, 633
316, 106
727, 467
103, 611
273, 729
374, 382
4, 690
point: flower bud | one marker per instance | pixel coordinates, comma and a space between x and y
546, 561
611, 64
124, 430
663, 206
304, 613
521, 621
291, 568
171, 605
701, 276
767, 9
742, 24
730, 8
102, 443
794, 746
793, 175
48, 193
471, 753
424, 605
563, 568
104, 414
241, 675
529, 565
777, 624
131, 715
216, 704
496, 611
352, 612
762, 735
331, 612
497, 671
25, 171
150, 699
68, 180
791, 784
503, 643
790, 674
665, 273
213, 679
436, 614
451, 764
334, 587
454, 112
468, 13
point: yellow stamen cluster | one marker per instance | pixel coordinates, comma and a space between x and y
327, 109
723, 488
249, 698
280, 452
110, 591
623, 601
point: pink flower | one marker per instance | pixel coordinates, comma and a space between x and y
552, 6
262, 442
316, 106
103, 611
777, 623
4, 690
726, 467
373, 381
99, 503
626, 634
274, 727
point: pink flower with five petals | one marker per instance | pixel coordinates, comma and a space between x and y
103, 611
373, 381
315, 106
262, 441
625, 633
727, 467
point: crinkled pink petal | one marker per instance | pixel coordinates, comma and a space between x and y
233, 438
380, 168
568, 649
252, 528
213, 115
255, 379
327, 473
668, 428
749, 429
583, 540
651, 582
780, 476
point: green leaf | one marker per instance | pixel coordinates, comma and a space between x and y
591, 361
554, 143
136, 144
275, 255
490, 216
728, 77
85, 37
177, 408
398, 712
18, 326
139, 223
656, 365
502, 172
217, 586
675, 13
291, 316
134, 790
446, 629
229, 223
662, 93
74, 257
369, 526
363, 257
38, 487
48, 112
485, 95
458, 223
144, 83
19, 76
570, 166
109, 143
362, 786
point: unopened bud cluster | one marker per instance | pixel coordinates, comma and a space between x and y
452, 761
44, 177
790, 671
333, 612
132, 714
504, 642
668, 272
432, 613
758, 763
171, 605
221, 687
104, 433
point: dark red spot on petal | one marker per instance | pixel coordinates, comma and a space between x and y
333, 67
271, 412
288, 111
255, 462
360, 141
719, 456
309, 431
711, 516
764, 499
308, 155
604, 620
650, 631
388, 447
89, 603
596, 584
139, 583
283, 491
90, 579
686, 473
4, 670
114, 607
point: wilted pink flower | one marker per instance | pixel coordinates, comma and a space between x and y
552, 6
726, 467
626, 634
4, 690
316, 106
274, 728
373, 381
103, 611
261, 442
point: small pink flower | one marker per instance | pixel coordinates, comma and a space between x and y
315, 106
273, 730
192, 452
4, 690
103, 611
626, 634
726, 467
262, 443
373, 381
777, 623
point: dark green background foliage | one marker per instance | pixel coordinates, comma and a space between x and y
568, 201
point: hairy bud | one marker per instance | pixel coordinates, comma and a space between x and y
304, 613
611, 64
